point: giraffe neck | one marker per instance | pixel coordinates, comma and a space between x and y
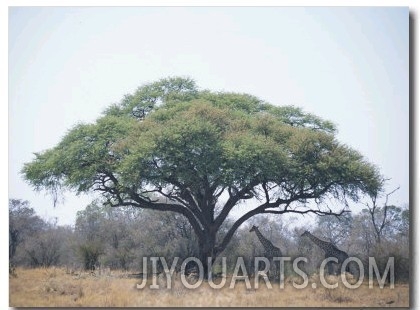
265, 242
322, 244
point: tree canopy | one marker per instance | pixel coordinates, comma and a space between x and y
170, 146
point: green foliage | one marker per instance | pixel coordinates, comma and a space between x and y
172, 141
147, 97
295, 117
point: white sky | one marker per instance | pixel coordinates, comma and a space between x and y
347, 65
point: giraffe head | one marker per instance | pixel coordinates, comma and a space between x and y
305, 233
253, 228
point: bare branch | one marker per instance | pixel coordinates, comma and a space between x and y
373, 211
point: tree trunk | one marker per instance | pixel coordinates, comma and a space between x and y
207, 253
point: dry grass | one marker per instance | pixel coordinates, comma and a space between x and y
58, 288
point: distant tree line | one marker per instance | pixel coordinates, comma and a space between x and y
119, 238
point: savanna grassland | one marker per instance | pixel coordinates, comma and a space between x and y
58, 287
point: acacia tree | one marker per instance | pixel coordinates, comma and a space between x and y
172, 147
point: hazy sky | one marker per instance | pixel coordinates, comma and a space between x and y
347, 65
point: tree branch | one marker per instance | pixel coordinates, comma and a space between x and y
233, 200
219, 248
372, 210
262, 209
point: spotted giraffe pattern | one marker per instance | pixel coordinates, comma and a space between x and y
329, 249
269, 248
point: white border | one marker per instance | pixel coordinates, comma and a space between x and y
4, 8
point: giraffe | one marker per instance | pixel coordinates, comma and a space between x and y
329, 249
269, 248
